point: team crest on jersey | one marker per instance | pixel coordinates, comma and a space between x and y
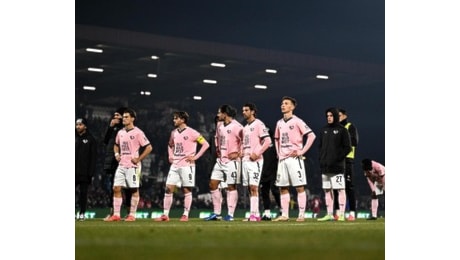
291, 127
132, 137
229, 131
335, 131
85, 141
251, 129
185, 137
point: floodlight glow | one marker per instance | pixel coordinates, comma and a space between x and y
210, 81
197, 97
154, 57
271, 71
95, 69
260, 86
215, 64
151, 75
322, 77
94, 50
91, 88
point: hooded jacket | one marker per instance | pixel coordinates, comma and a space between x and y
334, 145
110, 163
85, 157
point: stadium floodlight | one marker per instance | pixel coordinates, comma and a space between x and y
220, 65
271, 71
154, 57
95, 69
210, 81
151, 75
94, 50
197, 97
260, 86
90, 88
145, 93
322, 77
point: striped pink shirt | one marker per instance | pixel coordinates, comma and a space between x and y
229, 139
129, 143
183, 144
254, 134
289, 135
377, 174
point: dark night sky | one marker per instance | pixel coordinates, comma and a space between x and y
351, 30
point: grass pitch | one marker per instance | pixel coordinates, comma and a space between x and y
199, 239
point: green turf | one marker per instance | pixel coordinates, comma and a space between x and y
198, 239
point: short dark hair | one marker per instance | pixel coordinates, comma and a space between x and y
294, 102
343, 111
251, 106
120, 110
367, 164
131, 112
182, 115
227, 109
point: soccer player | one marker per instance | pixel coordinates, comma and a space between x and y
228, 140
182, 155
334, 145
85, 162
128, 142
110, 163
375, 174
289, 133
255, 141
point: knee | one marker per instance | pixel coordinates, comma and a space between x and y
213, 185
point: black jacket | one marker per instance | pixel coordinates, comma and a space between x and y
354, 137
334, 145
85, 157
110, 163
270, 166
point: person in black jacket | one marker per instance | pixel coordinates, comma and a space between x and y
267, 181
110, 162
334, 145
85, 163
349, 162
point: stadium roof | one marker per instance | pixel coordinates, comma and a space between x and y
181, 66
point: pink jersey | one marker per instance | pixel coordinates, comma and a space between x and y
183, 144
229, 139
377, 174
289, 135
129, 143
254, 134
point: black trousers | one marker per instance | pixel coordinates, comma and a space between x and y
83, 196
266, 187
